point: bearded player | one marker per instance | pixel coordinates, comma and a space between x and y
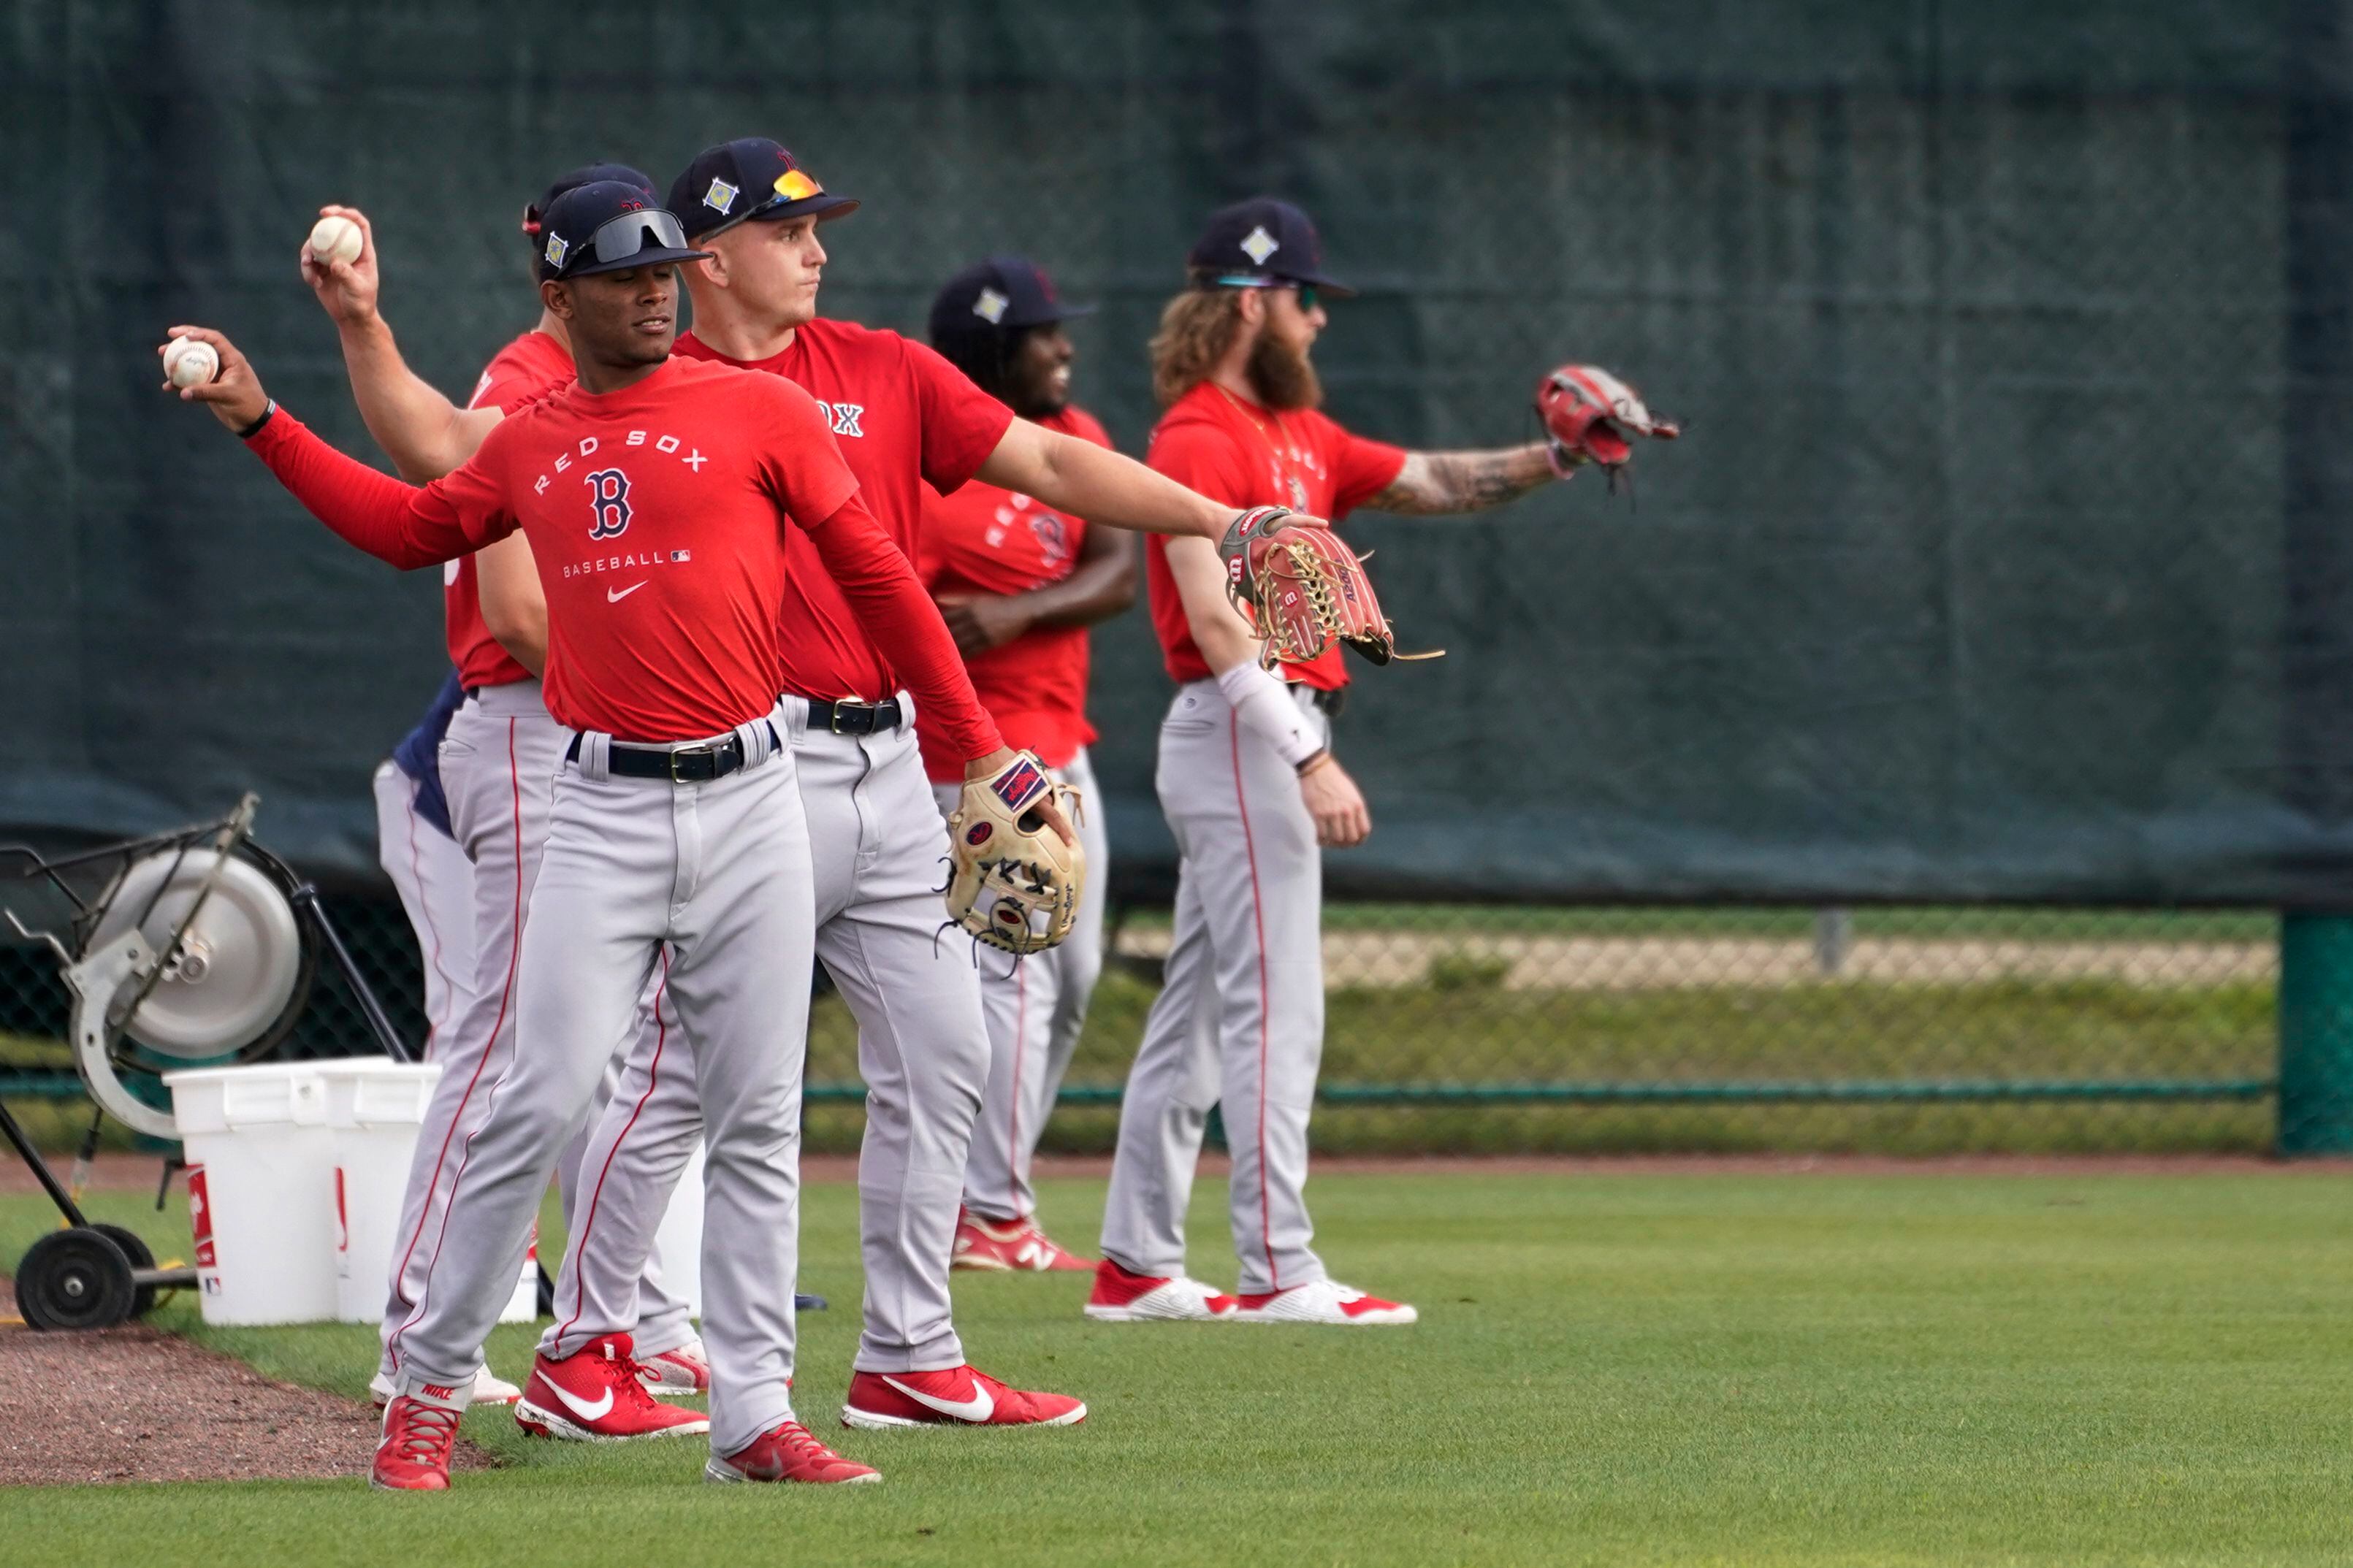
1251, 785
1019, 583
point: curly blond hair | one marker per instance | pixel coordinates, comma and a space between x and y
1197, 328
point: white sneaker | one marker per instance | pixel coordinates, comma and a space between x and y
488, 1390
1324, 1301
1123, 1297
684, 1371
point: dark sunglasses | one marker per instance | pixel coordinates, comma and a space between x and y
621, 237
1306, 290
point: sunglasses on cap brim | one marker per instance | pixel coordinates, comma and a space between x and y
792, 185
620, 240
1307, 296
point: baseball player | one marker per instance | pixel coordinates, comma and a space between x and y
903, 417
415, 844
500, 760
1019, 583
656, 493
1250, 786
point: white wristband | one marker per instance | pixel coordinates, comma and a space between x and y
1264, 707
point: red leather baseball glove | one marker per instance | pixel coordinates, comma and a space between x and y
1302, 589
1587, 415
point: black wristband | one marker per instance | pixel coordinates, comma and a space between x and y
269, 412
1312, 759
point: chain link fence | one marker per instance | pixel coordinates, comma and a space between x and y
1515, 1030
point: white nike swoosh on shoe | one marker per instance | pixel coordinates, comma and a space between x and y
586, 1409
614, 595
978, 1409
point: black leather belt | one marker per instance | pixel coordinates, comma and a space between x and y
688, 765
854, 718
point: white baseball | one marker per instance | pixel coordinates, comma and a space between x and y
335, 239
190, 361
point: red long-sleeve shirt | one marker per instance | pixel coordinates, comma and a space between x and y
655, 514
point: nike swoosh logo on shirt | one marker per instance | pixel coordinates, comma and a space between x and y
614, 595
586, 1409
978, 1408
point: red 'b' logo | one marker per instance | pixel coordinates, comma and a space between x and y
609, 501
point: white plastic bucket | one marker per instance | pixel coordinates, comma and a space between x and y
678, 1240
261, 1193
374, 1108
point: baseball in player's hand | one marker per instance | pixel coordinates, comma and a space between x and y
1341, 818
996, 763
236, 394
979, 623
346, 290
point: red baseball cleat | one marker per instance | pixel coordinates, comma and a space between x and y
681, 1372
1017, 1246
1324, 1301
1120, 1296
957, 1396
789, 1453
593, 1397
413, 1455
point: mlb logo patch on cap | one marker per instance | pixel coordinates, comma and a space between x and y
720, 197
556, 251
990, 305
1260, 245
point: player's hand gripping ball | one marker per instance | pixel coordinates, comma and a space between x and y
335, 239
1013, 881
1302, 590
190, 361
1589, 415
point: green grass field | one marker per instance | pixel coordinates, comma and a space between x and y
1615, 1368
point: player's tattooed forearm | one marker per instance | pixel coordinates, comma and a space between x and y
1464, 481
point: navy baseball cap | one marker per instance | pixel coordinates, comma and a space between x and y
606, 225
751, 179
1258, 243
586, 174
1003, 293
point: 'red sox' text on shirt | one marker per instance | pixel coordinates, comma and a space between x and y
983, 540
903, 416
656, 515
1232, 450
531, 367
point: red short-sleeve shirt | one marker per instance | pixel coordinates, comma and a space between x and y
902, 415
528, 368
986, 541
1232, 450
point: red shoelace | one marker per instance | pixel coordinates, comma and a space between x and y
799, 1441
424, 1433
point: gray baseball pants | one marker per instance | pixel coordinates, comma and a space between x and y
878, 851
708, 885
1241, 1022
499, 764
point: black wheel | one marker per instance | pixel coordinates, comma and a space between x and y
75, 1279
142, 1296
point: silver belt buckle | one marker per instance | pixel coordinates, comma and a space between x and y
833, 717
704, 750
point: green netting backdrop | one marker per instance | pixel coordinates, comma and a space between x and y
2000, 560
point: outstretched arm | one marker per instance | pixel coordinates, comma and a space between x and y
1436, 483
392, 521
1101, 585
1093, 482
424, 433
